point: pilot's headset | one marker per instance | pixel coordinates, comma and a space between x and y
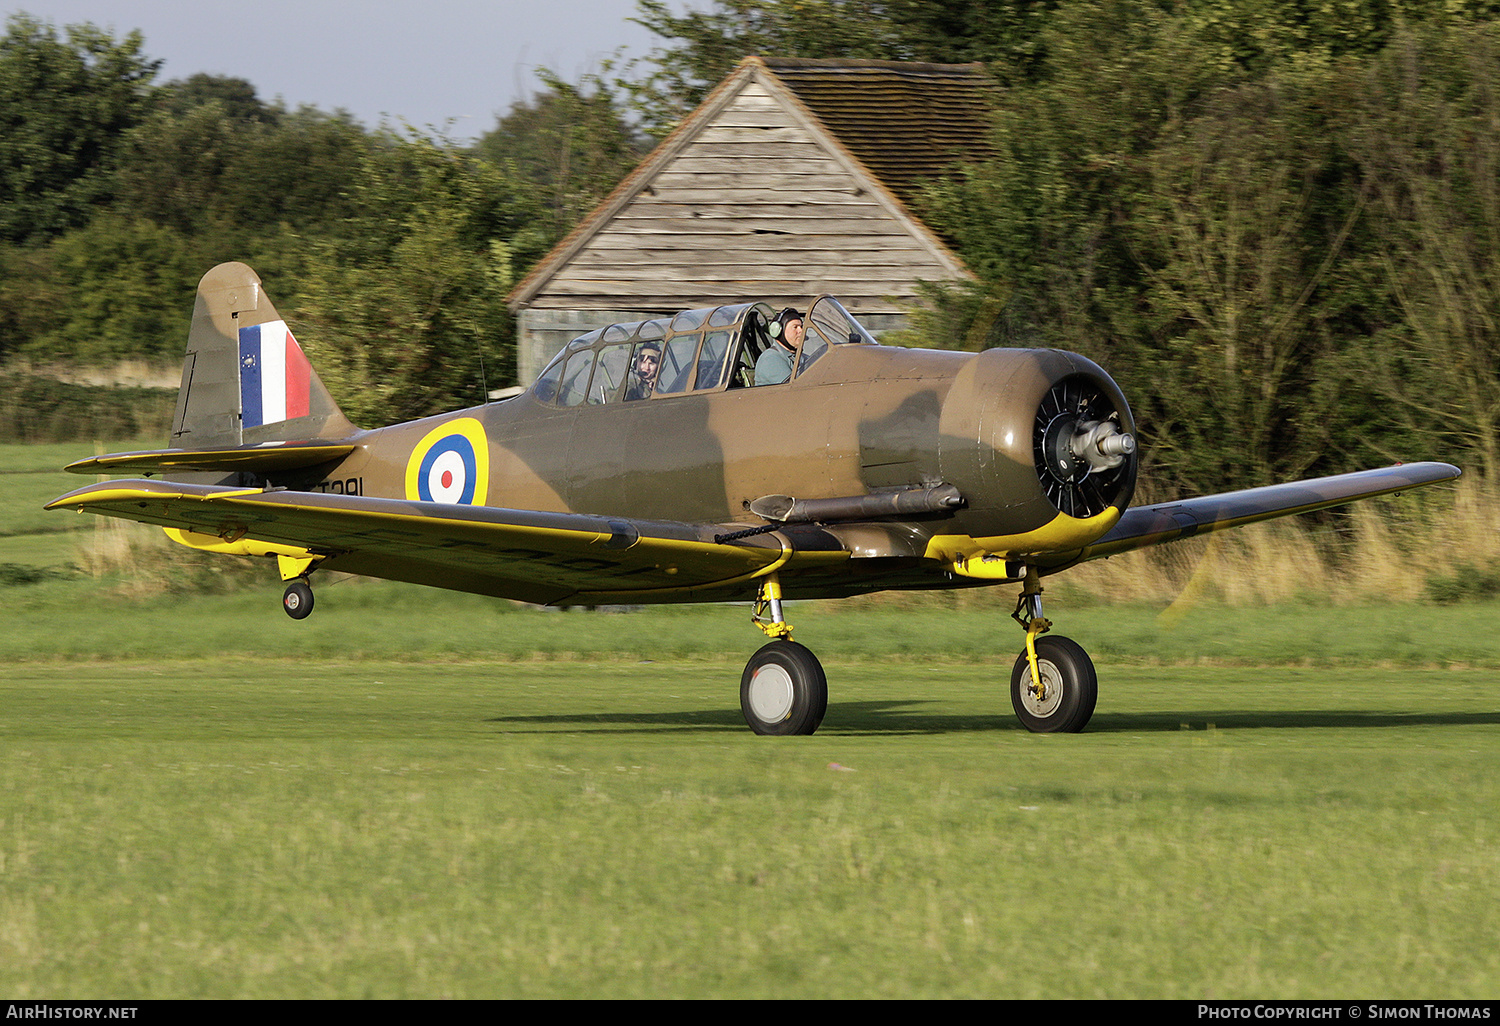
778, 325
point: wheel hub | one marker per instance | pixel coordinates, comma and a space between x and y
1045, 703
771, 694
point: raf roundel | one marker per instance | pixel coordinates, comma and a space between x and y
450, 465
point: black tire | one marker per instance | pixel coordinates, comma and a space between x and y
298, 600
783, 690
1071, 688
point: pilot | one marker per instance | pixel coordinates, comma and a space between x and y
775, 364
643, 374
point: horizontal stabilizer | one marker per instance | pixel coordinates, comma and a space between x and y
268, 458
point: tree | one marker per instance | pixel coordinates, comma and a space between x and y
64, 104
570, 144
233, 171
123, 288
704, 46
1230, 237
1184, 219
1006, 35
1426, 138
237, 97
404, 307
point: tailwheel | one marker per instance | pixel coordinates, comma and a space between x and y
298, 599
783, 690
1068, 687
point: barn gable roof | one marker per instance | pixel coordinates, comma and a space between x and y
703, 204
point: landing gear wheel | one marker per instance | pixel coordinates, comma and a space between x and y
298, 599
1069, 688
783, 690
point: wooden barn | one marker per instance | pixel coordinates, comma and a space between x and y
792, 179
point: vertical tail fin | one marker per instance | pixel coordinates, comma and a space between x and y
244, 377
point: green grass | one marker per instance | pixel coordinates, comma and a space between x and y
30, 477
273, 829
357, 619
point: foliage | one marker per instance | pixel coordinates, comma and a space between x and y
405, 305
38, 409
1426, 140
31, 296
1181, 193
966, 315
223, 172
235, 96
64, 103
1006, 35
127, 281
570, 146
701, 47
1468, 583
704, 46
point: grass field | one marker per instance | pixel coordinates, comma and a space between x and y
420, 794
264, 828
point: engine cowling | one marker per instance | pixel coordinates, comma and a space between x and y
1042, 445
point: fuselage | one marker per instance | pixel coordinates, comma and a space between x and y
863, 419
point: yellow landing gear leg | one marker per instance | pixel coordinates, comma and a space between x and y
1053, 686
1029, 615
767, 615
783, 689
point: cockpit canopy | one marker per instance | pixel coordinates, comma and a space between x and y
694, 351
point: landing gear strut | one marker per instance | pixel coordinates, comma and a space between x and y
783, 690
1053, 686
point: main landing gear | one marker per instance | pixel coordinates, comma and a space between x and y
783, 691
1053, 686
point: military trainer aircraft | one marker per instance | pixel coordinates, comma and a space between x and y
648, 464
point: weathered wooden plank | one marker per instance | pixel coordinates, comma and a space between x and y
699, 198
874, 279
738, 115
769, 225
806, 170
733, 185
750, 197
871, 251
732, 195
750, 154
755, 96
775, 135
687, 293
859, 252
851, 207
776, 269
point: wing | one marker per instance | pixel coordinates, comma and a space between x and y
1141, 526
522, 554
